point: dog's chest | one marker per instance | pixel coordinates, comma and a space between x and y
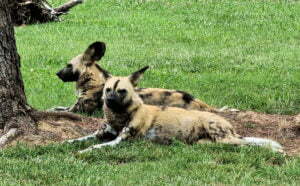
117, 121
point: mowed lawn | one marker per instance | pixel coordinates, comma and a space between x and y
243, 54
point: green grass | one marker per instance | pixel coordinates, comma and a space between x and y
244, 54
143, 163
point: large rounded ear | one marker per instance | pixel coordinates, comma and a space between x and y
94, 52
134, 77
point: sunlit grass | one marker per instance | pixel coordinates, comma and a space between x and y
244, 54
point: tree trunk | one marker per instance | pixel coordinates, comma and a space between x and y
14, 112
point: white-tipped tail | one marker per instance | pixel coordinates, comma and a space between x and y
275, 146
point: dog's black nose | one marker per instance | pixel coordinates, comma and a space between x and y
58, 73
111, 98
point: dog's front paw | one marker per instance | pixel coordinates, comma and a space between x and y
70, 141
58, 109
85, 150
227, 109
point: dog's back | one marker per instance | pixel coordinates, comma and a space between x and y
172, 98
161, 124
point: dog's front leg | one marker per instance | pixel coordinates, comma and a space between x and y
84, 138
104, 129
59, 109
84, 105
126, 132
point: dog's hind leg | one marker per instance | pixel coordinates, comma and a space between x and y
204, 141
232, 140
226, 140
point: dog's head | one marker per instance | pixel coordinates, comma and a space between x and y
78, 65
119, 92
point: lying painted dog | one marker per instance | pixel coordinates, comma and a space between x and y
128, 117
90, 79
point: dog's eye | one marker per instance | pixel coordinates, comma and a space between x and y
108, 90
69, 66
122, 91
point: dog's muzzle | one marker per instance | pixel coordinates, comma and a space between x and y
59, 74
115, 103
67, 75
112, 100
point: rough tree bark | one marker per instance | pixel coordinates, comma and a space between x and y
15, 115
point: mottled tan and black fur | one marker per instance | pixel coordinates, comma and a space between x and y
129, 117
172, 98
90, 79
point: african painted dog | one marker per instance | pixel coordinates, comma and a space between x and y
90, 79
128, 117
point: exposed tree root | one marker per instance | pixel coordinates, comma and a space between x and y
58, 130
46, 115
15, 128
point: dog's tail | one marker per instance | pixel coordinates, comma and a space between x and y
275, 146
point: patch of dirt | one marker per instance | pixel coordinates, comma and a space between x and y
284, 129
50, 131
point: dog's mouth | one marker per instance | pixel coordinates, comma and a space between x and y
117, 105
113, 104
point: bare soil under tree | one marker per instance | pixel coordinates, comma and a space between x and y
282, 128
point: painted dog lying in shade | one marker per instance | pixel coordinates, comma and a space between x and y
90, 79
128, 117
